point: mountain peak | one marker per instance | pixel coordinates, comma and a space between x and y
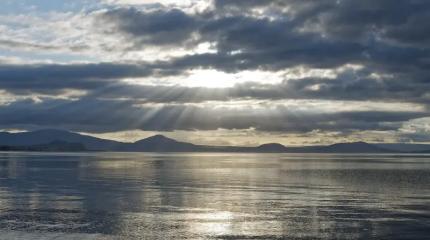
157, 138
47, 136
272, 147
160, 143
359, 143
354, 147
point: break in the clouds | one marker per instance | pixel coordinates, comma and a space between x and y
299, 69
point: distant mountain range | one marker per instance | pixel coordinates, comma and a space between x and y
60, 140
55, 146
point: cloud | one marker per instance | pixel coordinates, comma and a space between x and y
98, 115
386, 42
5, 43
105, 80
54, 77
159, 27
319, 34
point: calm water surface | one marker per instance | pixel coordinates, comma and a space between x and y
214, 196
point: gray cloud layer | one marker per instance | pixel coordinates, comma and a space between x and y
389, 40
97, 115
101, 80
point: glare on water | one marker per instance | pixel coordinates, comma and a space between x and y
213, 196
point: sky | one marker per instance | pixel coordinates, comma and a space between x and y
218, 72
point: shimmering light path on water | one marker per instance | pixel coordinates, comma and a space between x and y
213, 196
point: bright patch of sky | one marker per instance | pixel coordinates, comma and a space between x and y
43, 6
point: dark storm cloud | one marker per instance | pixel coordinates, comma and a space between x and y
403, 21
357, 88
259, 43
322, 34
95, 115
158, 27
52, 78
63, 73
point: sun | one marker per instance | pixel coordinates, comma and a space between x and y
211, 78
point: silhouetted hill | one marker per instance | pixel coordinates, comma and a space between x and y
55, 146
159, 143
405, 147
272, 147
59, 140
50, 135
353, 147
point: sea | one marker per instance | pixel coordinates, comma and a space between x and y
213, 196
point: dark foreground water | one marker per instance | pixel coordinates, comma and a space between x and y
214, 196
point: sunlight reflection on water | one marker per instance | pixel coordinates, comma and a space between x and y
213, 196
